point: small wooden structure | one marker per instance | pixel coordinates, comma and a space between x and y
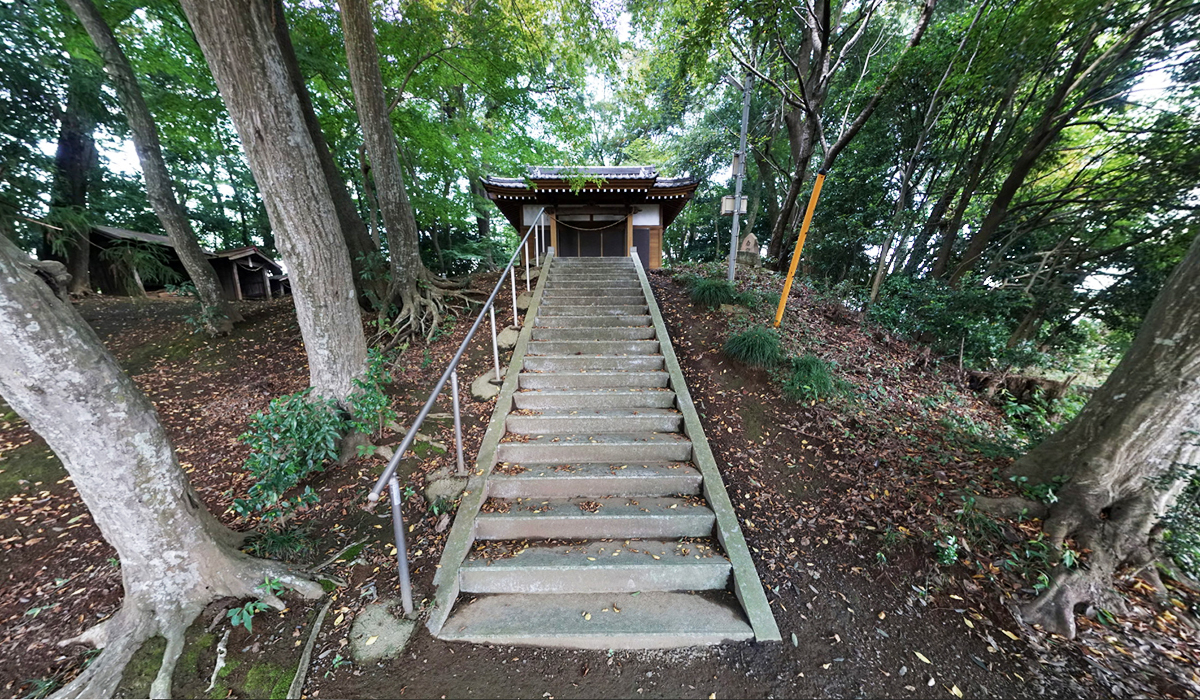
594, 211
244, 273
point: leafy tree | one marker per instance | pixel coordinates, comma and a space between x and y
1120, 457
218, 314
176, 557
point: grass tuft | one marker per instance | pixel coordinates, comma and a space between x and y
711, 293
289, 544
759, 347
810, 378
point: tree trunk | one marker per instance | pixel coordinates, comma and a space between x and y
483, 222
219, 315
1140, 423
175, 556
75, 159
242, 50
413, 286
975, 172
364, 252
802, 139
368, 194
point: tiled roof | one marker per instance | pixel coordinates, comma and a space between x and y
608, 172
605, 172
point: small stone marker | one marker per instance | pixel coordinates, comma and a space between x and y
442, 483
377, 634
507, 338
482, 389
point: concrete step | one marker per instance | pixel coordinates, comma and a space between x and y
620, 448
594, 399
595, 333
607, 273
584, 363
594, 567
591, 282
593, 261
657, 620
577, 297
593, 347
605, 309
581, 518
596, 421
593, 321
593, 480
590, 379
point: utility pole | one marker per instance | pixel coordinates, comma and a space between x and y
739, 168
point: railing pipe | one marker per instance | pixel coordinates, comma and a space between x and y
512, 273
495, 345
458, 443
401, 545
405, 444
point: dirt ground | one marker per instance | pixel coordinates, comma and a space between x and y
841, 503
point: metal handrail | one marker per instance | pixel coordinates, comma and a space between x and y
388, 478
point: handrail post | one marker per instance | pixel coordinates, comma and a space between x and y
401, 545
495, 345
513, 275
458, 441
388, 478
537, 243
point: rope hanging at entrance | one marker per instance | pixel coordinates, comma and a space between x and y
601, 228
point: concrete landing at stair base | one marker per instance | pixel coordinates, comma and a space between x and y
645, 621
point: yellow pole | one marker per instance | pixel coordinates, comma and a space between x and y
808, 215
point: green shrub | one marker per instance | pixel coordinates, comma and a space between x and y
1181, 525
299, 434
974, 319
810, 378
756, 346
711, 293
371, 407
292, 543
292, 439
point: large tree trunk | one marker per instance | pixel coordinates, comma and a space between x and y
240, 44
1140, 423
802, 137
416, 290
175, 556
364, 252
219, 315
75, 159
483, 222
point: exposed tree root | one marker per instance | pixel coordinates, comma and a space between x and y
423, 303
1012, 507
1116, 532
147, 615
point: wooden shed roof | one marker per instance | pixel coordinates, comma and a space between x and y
233, 254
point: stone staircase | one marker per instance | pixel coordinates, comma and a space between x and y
597, 518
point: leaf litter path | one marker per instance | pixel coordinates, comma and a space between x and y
904, 629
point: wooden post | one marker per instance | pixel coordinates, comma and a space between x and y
237, 281
629, 232
266, 283
554, 230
